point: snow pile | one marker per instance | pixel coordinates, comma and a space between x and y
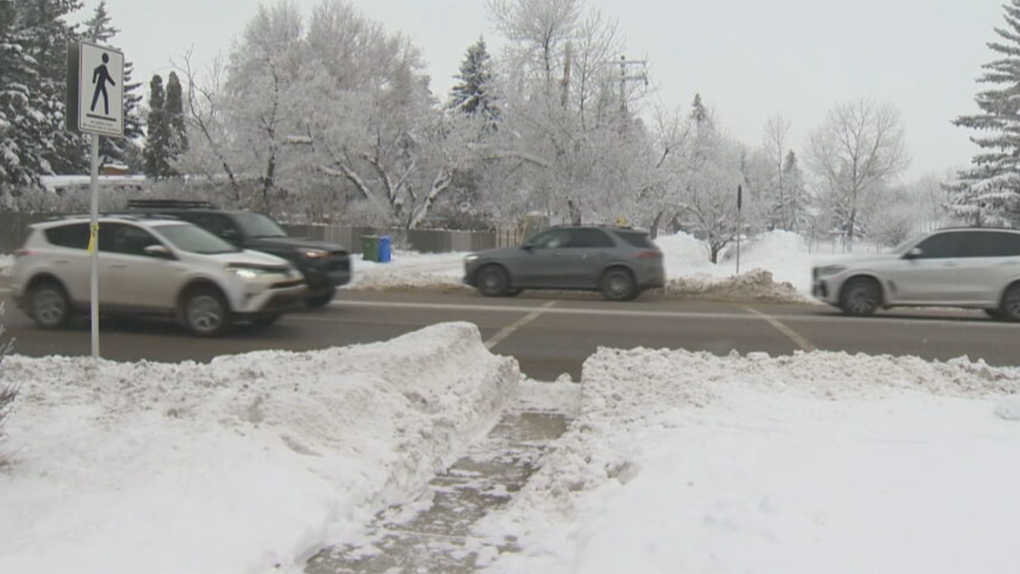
753, 286
687, 462
239, 465
6, 262
410, 271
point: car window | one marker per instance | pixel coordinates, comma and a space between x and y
581, 238
125, 239
194, 239
257, 225
636, 239
216, 223
940, 246
75, 236
1000, 244
554, 239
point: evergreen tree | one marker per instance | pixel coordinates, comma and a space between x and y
989, 192
44, 22
158, 146
175, 118
99, 29
472, 94
23, 122
795, 195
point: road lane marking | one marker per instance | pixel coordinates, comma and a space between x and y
782, 328
512, 327
738, 316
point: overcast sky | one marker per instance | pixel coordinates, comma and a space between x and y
749, 59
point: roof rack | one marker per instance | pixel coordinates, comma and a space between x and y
169, 204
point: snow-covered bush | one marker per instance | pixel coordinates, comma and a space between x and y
8, 392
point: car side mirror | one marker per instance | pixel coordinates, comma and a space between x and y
159, 251
914, 253
528, 247
229, 235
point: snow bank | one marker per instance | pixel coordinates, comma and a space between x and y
819, 462
6, 262
235, 466
411, 271
753, 286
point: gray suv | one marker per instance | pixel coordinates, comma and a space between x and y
618, 262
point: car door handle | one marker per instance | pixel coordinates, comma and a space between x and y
119, 265
60, 261
949, 264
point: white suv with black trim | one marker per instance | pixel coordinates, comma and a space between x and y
151, 266
975, 268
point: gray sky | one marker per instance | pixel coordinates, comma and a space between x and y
748, 59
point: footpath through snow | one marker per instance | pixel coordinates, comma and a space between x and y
241, 465
819, 462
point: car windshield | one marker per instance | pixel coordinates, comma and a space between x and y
194, 239
258, 225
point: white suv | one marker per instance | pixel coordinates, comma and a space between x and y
151, 265
970, 268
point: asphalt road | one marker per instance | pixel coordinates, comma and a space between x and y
552, 335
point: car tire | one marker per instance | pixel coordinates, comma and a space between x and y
493, 281
266, 320
205, 312
1011, 303
49, 305
996, 314
861, 297
618, 285
321, 300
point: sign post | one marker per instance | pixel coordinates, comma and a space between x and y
740, 221
95, 106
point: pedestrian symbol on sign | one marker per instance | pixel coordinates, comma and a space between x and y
100, 76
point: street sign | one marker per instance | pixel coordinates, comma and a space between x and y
95, 83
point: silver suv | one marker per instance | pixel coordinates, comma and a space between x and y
151, 265
970, 268
619, 262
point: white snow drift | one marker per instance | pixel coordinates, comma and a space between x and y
239, 465
820, 462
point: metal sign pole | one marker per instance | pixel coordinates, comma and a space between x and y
740, 221
94, 246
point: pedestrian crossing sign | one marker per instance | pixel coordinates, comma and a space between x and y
98, 98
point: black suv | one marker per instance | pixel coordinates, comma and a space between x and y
325, 266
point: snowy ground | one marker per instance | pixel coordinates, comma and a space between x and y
821, 462
6, 261
236, 466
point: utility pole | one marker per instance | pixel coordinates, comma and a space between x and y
639, 74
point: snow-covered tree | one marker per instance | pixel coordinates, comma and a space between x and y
857, 151
473, 91
174, 116
989, 192
22, 109
711, 172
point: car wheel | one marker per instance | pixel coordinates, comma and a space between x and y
493, 281
320, 301
50, 306
266, 320
995, 313
618, 285
862, 296
205, 312
1011, 303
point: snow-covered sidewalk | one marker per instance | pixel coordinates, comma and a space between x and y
242, 465
820, 462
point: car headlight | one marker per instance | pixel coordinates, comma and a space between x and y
245, 272
470, 258
314, 253
831, 270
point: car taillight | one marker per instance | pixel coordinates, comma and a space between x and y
649, 255
22, 253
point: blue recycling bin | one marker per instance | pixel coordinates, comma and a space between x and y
385, 248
